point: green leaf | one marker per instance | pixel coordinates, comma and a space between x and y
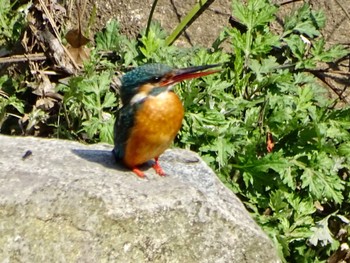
109, 100
106, 130
274, 161
344, 149
320, 53
109, 38
323, 187
263, 67
16, 103
297, 46
321, 233
305, 21
264, 42
255, 13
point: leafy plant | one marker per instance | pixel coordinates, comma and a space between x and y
86, 108
110, 39
259, 98
12, 21
9, 102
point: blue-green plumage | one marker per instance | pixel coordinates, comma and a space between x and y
122, 126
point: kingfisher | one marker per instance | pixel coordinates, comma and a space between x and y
151, 113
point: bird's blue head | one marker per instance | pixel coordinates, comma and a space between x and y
157, 77
134, 79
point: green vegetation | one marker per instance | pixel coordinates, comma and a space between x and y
297, 187
12, 21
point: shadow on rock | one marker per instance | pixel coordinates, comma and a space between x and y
106, 158
103, 157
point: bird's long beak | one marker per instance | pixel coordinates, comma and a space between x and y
189, 73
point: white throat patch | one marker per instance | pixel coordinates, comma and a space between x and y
138, 97
142, 95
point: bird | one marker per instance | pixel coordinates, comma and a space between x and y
151, 114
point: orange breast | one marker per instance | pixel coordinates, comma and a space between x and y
156, 125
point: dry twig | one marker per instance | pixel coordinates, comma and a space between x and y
22, 58
53, 25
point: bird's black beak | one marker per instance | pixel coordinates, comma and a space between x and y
189, 73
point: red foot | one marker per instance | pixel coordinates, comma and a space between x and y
157, 168
139, 173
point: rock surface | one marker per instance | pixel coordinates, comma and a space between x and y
69, 202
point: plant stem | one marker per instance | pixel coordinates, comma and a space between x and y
196, 11
151, 16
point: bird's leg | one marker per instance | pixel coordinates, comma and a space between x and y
157, 168
138, 172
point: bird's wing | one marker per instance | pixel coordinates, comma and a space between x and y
122, 128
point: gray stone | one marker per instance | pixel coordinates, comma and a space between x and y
69, 202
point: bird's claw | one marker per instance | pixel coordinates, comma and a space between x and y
156, 166
139, 173
158, 169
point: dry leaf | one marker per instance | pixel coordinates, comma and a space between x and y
45, 104
79, 54
76, 39
45, 85
77, 48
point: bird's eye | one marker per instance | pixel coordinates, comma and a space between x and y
156, 79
